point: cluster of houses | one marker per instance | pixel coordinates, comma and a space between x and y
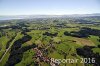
40, 58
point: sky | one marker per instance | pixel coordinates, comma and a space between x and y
48, 7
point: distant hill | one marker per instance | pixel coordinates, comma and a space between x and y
48, 16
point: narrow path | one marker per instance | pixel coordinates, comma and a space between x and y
8, 48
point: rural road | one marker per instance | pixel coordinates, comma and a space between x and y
8, 48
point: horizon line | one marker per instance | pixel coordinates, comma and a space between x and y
48, 14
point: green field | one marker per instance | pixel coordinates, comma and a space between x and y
23, 40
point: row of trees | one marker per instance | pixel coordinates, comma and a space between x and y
84, 32
50, 34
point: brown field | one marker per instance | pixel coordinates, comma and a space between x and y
82, 41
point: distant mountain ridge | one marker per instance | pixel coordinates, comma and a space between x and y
46, 16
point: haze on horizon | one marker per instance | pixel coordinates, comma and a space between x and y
48, 7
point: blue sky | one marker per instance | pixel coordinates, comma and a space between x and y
48, 7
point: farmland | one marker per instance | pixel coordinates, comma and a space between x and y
33, 42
